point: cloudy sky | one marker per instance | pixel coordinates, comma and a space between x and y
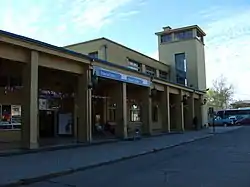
134, 22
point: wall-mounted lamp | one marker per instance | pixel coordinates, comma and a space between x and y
204, 101
153, 91
184, 99
195, 91
94, 78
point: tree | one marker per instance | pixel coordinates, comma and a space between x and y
221, 94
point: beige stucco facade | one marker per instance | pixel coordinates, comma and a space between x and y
161, 106
193, 48
118, 54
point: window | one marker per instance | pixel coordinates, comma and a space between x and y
163, 75
150, 71
16, 116
166, 38
155, 113
132, 64
135, 113
111, 112
94, 54
183, 35
10, 116
185, 65
181, 80
181, 68
180, 62
200, 36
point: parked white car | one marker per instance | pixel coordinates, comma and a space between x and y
233, 119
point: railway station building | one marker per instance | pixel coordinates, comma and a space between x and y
99, 89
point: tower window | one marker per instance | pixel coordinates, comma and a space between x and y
180, 62
200, 36
183, 35
181, 68
166, 38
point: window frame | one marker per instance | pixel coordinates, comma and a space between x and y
93, 54
112, 112
150, 71
163, 75
165, 38
132, 117
134, 65
10, 125
183, 35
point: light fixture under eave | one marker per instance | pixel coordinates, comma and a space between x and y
204, 101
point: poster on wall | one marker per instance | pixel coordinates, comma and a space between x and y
43, 104
6, 114
65, 124
16, 114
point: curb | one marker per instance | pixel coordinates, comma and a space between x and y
70, 171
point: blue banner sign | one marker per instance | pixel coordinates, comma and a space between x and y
101, 72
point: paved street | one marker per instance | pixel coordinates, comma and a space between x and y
222, 160
17, 168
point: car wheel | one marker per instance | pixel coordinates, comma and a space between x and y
224, 124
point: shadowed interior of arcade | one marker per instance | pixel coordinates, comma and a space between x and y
56, 105
104, 109
175, 101
10, 104
117, 109
56, 94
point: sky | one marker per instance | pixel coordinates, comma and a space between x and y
134, 22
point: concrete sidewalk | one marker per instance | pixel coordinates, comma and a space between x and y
42, 165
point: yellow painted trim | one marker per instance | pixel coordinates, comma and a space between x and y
58, 63
43, 49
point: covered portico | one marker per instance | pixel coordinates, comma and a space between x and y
123, 104
178, 107
39, 82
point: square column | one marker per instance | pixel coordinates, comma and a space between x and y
189, 112
198, 111
120, 98
83, 108
29, 128
180, 112
146, 111
165, 110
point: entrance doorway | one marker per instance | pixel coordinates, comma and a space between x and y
174, 115
104, 110
46, 123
